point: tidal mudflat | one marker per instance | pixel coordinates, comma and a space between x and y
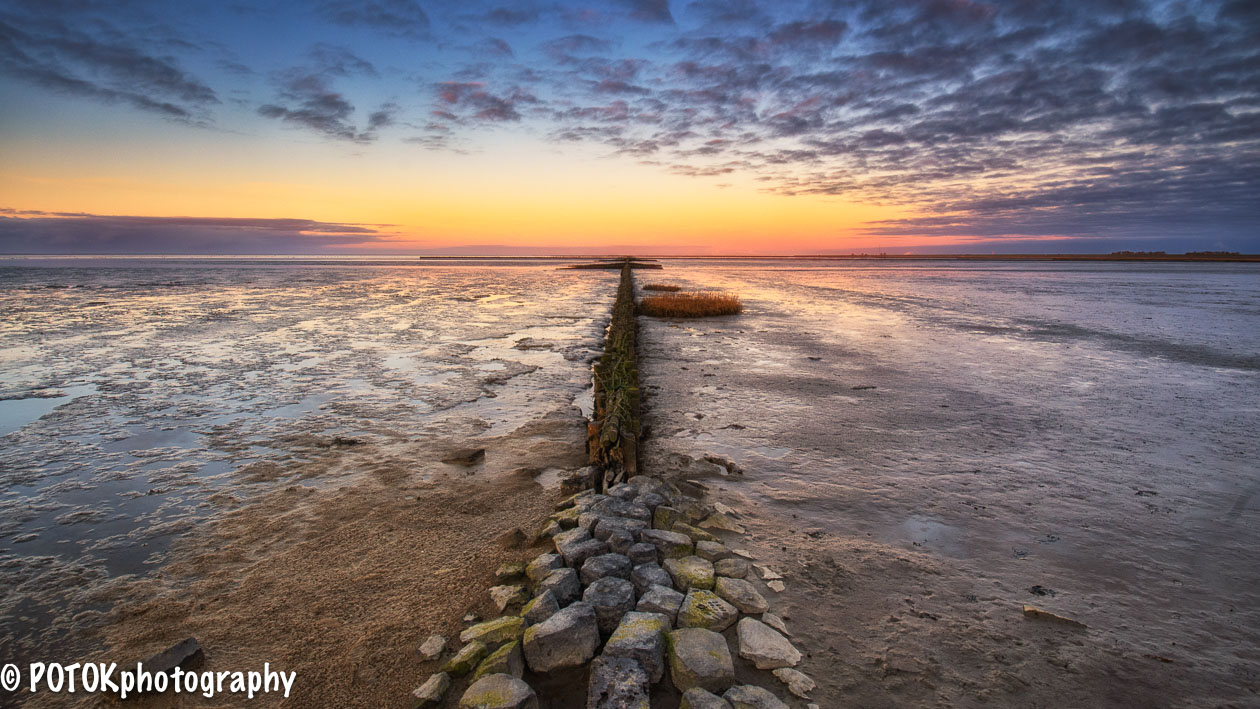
923, 449
222, 448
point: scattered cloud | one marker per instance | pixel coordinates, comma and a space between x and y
26, 231
403, 18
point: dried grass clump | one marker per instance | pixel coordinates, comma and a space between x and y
699, 304
662, 287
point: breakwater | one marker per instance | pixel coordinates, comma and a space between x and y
638, 594
614, 430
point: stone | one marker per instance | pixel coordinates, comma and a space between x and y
699, 658
764, 646
431, 692
507, 660
742, 552
505, 596
641, 637
696, 534
499, 630
563, 584
607, 525
432, 647
664, 517
776, 586
466, 659
719, 507
185, 654
670, 545
741, 594
775, 622
696, 698
624, 491
614, 507
550, 529
572, 500
645, 576
465, 456
747, 696
509, 570
611, 597
798, 683
731, 568
542, 565
587, 502
568, 519
541, 608
499, 692
767, 573
576, 554
690, 572
620, 541
712, 551
617, 683
717, 520
588, 520
704, 609
569, 638
661, 599
571, 537
597, 567
651, 500
642, 553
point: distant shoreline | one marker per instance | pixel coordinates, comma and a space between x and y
411, 258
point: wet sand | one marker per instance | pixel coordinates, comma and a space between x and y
920, 462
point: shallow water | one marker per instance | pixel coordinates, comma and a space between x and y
1084, 429
137, 398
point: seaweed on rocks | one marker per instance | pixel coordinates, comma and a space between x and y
614, 432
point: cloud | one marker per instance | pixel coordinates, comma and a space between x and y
649, 10
61, 233
306, 99
564, 49
466, 101
340, 61
43, 46
403, 18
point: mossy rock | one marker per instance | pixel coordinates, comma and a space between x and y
466, 659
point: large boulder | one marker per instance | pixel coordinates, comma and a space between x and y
574, 536
645, 576
499, 692
507, 660
697, 535
466, 659
764, 646
641, 637
664, 517
661, 599
670, 545
705, 609
690, 572
569, 638
733, 567
617, 683
712, 551
597, 567
700, 658
613, 507
576, 554
741, 594
642, 553
620, 541
624, 491
542, 565
541, 608
607, 525
748, 696
696, 698
504, 597
611, 598
492, 632
431, 692
563, 584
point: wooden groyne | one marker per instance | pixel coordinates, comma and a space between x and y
613, 434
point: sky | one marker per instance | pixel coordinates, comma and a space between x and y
629, 126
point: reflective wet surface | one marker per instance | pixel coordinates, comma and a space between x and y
1084, 429
138, 398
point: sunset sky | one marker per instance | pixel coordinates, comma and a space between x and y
654, 126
